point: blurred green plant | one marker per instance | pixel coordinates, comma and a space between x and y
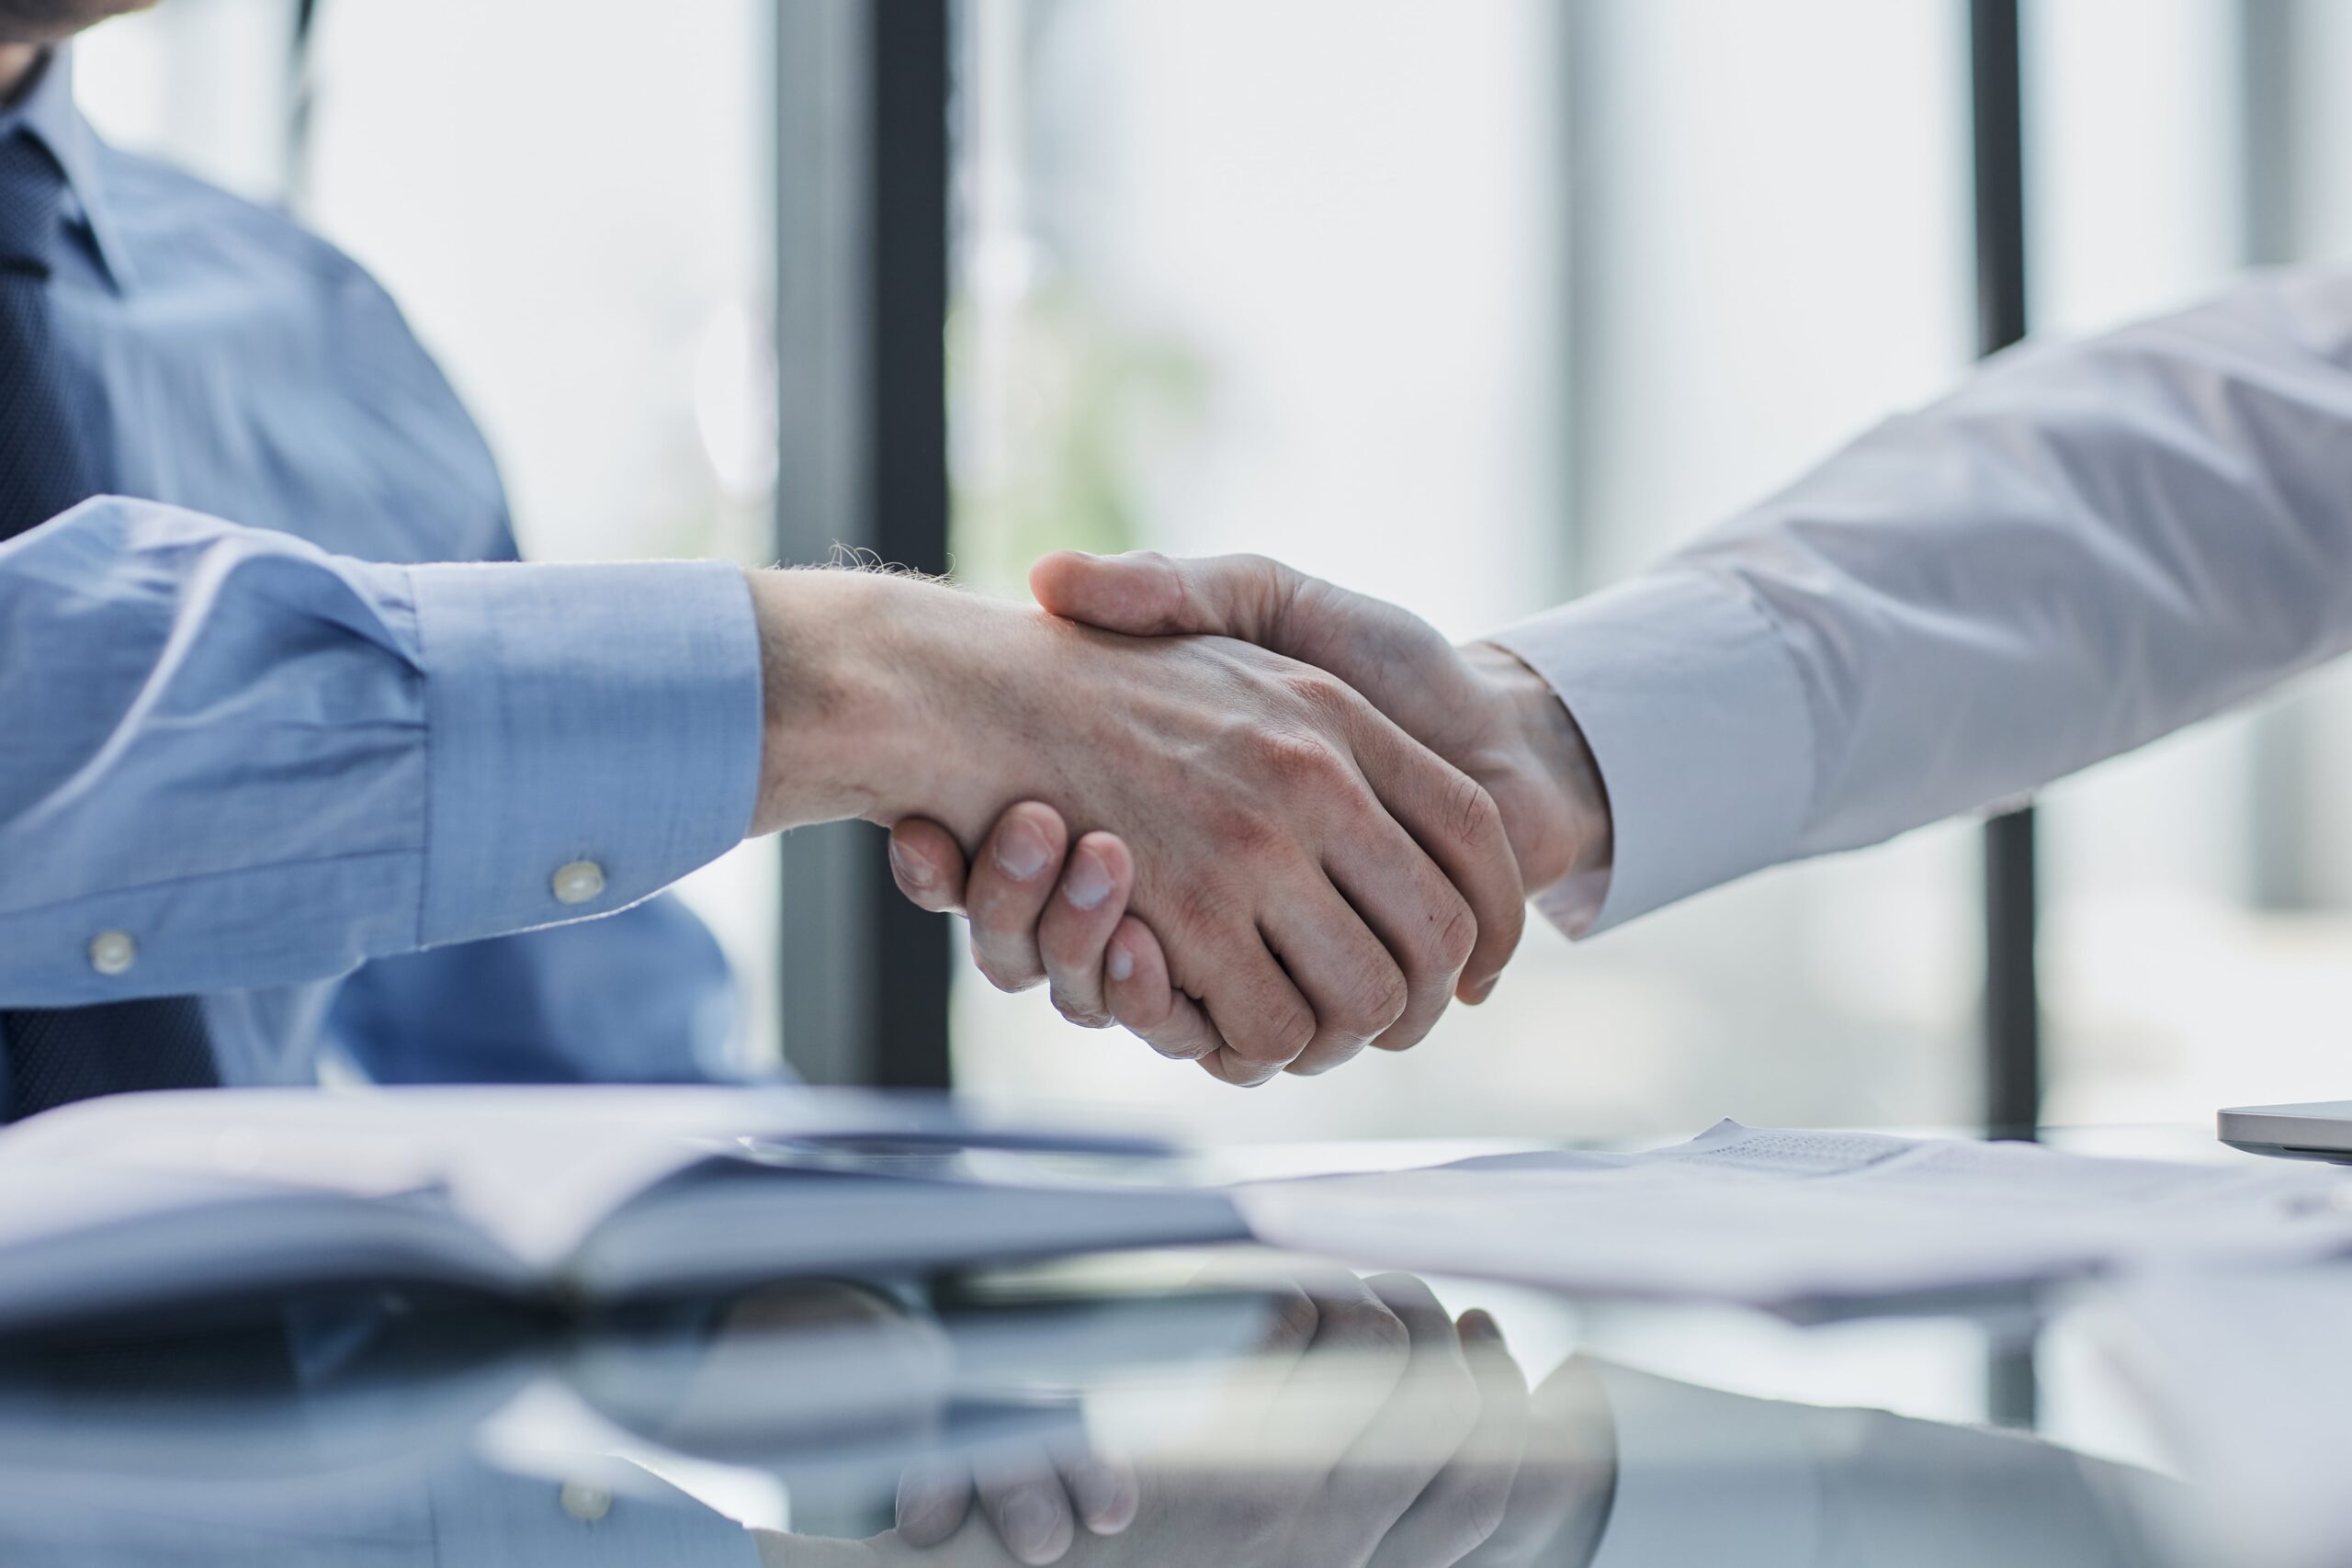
1065, 413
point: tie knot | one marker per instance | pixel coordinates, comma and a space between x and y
32, 202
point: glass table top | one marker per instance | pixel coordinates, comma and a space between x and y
1235, 1405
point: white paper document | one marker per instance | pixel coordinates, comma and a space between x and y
1790, 1219
580, 1191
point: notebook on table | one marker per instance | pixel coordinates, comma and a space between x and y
573, 1193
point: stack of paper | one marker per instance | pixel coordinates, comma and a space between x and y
586, 1192
1792, 1220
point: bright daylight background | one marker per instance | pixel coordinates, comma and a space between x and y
1478, 306
1473, 306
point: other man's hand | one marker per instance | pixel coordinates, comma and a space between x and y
1477, 707
1370, 1428
1062, 920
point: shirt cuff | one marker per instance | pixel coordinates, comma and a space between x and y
1692, 706
599, 721
1704, 1476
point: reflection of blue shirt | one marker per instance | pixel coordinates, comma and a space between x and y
282, 760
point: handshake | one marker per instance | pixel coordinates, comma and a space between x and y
1259, 820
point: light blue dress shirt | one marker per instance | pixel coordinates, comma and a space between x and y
2089, 544
310, 776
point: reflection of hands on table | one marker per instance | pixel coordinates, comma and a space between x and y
1371, 1429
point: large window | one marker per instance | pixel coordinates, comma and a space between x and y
1474, 307
1477, 307
2197, 951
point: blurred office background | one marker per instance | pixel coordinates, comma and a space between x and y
1474, 306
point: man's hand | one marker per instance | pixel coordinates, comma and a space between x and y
1316, 879
1477, 706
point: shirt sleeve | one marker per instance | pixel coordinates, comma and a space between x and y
236, 761
458, 1515
2089, 544
1707, 1477
642, 997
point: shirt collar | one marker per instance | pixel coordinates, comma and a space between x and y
47, 111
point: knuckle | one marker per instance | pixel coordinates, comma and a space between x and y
1243, 832
1229, 1066
1287, 1032
1379, 1002
1295, 1319
1079, 1014
1370, 1328
1471, 812
1272, 584
1294, 761
1454, 936
1003, 977
1201, 904
1155, 1023
1320, 1058
1270, 1044
1320, 691
1176, 1045
1170, 1027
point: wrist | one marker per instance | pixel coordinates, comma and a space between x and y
889, 696
840, 700
1555, 805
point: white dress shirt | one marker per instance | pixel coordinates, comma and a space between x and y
2089, 544
1707, 1479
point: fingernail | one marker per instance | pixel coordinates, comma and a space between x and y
1028, 1525
1119, 963
1101, 1497
1479, 1325
1088, 881
914, 872
1022, 851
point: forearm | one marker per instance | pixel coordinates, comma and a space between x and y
267, 765
2088, 546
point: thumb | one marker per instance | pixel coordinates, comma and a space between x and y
1145, 593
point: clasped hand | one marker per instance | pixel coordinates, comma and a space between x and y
1304, 878
1363, 798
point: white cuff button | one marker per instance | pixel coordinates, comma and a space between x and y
113, 953
578, 882
584, 1502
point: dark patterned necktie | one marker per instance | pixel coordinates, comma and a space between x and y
55, 451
